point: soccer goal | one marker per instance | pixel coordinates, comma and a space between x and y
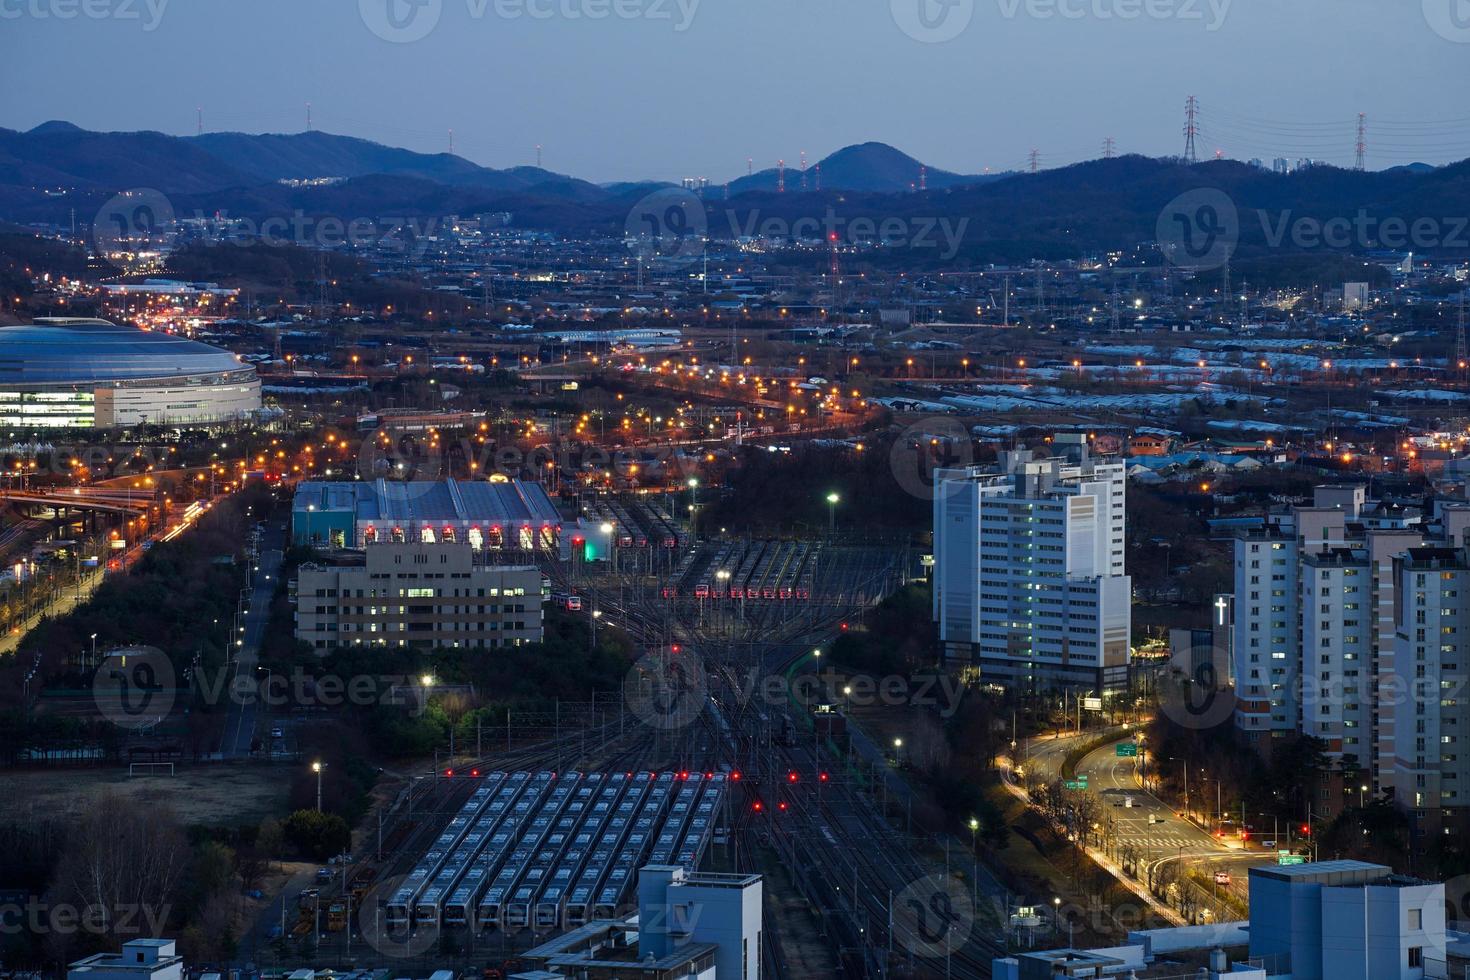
150, 769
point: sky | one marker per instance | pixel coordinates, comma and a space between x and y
664, 89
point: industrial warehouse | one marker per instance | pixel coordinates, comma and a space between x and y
489, 516
62, 372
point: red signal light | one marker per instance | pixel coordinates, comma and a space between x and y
675, 648
781, 806
791, 777
475, 773
684, 775
821, 777
757, 806
844, 627
449, 772
735, 776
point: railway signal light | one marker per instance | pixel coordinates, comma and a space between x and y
781, 806
735, 776
821, 777
475, 773
757, 806
792, 777
448, 773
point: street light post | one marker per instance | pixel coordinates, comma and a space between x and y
832, 500
317, 768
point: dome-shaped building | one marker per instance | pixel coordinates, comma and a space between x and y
64, 372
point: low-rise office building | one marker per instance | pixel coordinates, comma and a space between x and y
420, 595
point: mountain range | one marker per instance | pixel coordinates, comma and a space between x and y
58, 169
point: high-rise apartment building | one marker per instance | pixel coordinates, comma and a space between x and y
1029, 584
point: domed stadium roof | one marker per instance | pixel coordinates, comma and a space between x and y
61, 351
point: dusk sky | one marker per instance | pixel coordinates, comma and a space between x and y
693, 87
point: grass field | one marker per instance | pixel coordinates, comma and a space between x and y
211, 795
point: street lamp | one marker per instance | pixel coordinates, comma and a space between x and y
832, 500
1361, 790
317, 768
897, 750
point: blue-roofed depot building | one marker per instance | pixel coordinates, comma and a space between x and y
489, 516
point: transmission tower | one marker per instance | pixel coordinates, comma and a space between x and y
1035, 161
803, 171
1109, 148
200, 111
1191, 128
923, 177
819, 175
780, 176
835, 272
1361, 163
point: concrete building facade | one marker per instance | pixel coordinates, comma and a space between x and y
1029, 580
419, 595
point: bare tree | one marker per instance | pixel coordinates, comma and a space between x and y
121, 869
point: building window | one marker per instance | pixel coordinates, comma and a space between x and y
1416, 957
1416, 918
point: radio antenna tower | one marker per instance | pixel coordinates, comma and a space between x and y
803, 171
749, 166
1191, 128
1035, 161
538, 156
819, 175
200, 113
451, 142
1109, 146
923, 177
780, 176
1362, 162
308, 117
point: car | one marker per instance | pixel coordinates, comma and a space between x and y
277, 733
324, 874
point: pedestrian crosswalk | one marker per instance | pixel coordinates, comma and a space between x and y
1158, 842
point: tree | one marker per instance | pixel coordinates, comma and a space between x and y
317, 835
121, 860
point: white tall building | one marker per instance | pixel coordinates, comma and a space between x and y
1029, 586
1351, 624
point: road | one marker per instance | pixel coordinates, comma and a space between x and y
1154, 830
240, 723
